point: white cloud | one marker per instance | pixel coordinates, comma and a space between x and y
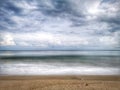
108, 40
46, 39
86, 6
6, 40
93, 9
43, 39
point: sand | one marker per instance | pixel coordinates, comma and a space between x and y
59, 82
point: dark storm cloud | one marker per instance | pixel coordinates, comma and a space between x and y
7, 9
112, 17
59, 7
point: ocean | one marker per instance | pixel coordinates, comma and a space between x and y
60, 62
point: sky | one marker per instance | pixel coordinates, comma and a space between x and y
60, 24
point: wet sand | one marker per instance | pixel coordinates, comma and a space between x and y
60, 82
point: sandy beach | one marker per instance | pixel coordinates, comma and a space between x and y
59, 82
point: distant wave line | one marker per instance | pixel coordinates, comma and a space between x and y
58, 56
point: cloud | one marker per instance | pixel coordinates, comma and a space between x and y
47, 23
108, 40
6, 40
45, 39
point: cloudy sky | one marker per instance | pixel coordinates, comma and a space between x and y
59, 23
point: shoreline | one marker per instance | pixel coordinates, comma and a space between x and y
60, 82
25, 77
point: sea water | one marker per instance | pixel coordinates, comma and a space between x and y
59, 62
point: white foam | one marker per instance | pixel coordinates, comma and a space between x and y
55, 69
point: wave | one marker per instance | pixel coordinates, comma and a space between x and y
60, 63
55, 69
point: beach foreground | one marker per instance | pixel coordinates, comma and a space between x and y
59, 82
